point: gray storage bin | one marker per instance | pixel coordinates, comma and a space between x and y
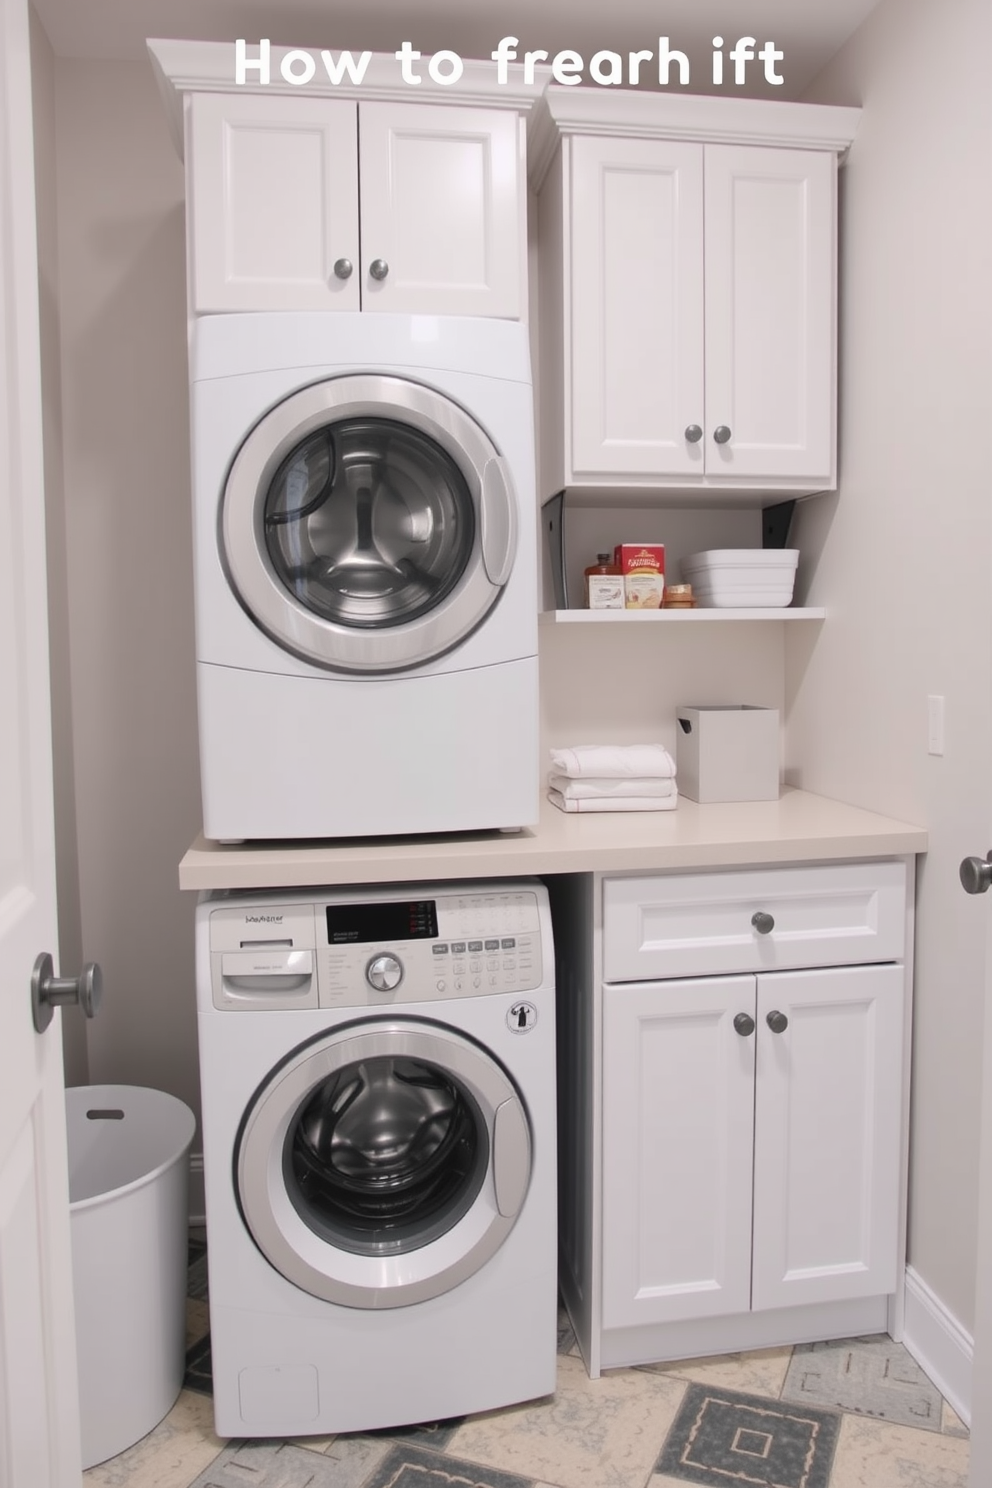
128, 1183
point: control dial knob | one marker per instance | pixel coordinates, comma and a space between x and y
384, 973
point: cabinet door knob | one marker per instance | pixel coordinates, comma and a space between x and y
693, 434
744, 1025
777, 1021
378, 268
976, 874
762, 922
343, 268
721, 434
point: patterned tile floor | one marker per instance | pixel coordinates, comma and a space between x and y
854, 1414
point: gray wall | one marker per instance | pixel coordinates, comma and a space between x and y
126, 688
901, 556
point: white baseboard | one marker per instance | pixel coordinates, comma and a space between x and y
939, 1344
197, 1202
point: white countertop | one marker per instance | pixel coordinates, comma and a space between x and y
798, 827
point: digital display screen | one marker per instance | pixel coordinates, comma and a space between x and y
354, 924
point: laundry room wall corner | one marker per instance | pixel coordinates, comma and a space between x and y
127, 564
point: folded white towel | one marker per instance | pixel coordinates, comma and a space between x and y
614, 761
613, 803
610, 787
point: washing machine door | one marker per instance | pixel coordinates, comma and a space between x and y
383, 1163
368, 524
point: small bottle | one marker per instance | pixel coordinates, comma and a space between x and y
604, 584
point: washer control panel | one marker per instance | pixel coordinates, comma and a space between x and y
357, 951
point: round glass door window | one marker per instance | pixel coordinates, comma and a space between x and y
368, 524
385, 1156
383, 1163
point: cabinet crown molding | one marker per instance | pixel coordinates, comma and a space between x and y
711, 119
183, 67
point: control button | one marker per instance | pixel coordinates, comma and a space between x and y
492, 945
475, 945
475, 966
440, 950
384, 973
459, 985
441, 986
509, 964
476, 981
493, 963
493, 980
508, 944
458, 948
458, 967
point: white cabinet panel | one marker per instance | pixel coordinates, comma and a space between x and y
294, 201
705, 923
637, 297
827, 1135
274, 203
678, 1097
770, 311
442, 206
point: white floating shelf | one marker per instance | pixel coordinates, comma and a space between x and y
675, 617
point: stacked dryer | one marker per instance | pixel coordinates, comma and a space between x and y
365, 553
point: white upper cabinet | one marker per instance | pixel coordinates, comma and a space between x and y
325, 203
687, 301
370, 195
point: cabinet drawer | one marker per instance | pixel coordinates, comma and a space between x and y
704, 924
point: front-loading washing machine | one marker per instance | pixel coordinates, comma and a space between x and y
365, 539
379, 1130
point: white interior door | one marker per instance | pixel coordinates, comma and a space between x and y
39, 1415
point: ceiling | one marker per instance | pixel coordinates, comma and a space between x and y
809, 32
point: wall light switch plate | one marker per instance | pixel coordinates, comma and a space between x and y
935, 725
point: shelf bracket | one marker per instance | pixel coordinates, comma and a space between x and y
553, 518
775, 523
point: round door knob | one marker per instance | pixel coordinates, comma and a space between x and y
693, 434
762, 922
49, 992
721, 434
976, 874
343, 268
378, 268
777, 1021
744, 1025
384, 973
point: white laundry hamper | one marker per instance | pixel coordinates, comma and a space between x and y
128, 1184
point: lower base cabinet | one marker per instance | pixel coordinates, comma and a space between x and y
732, 1146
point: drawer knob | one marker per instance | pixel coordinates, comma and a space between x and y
378, 268
693, 434
777, 1021
342, 268
744, 1025
976, 874
721, 434
762, 922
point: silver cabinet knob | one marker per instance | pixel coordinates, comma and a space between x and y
693, 434
378, 268
343, 268
762, 922
721, 434
49, 992
384, 973
777, 1021
976, 874
744, 1025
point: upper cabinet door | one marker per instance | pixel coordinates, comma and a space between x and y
769, 312
636, 365
274, 203
443, 208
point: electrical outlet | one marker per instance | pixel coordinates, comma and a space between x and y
935, 725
